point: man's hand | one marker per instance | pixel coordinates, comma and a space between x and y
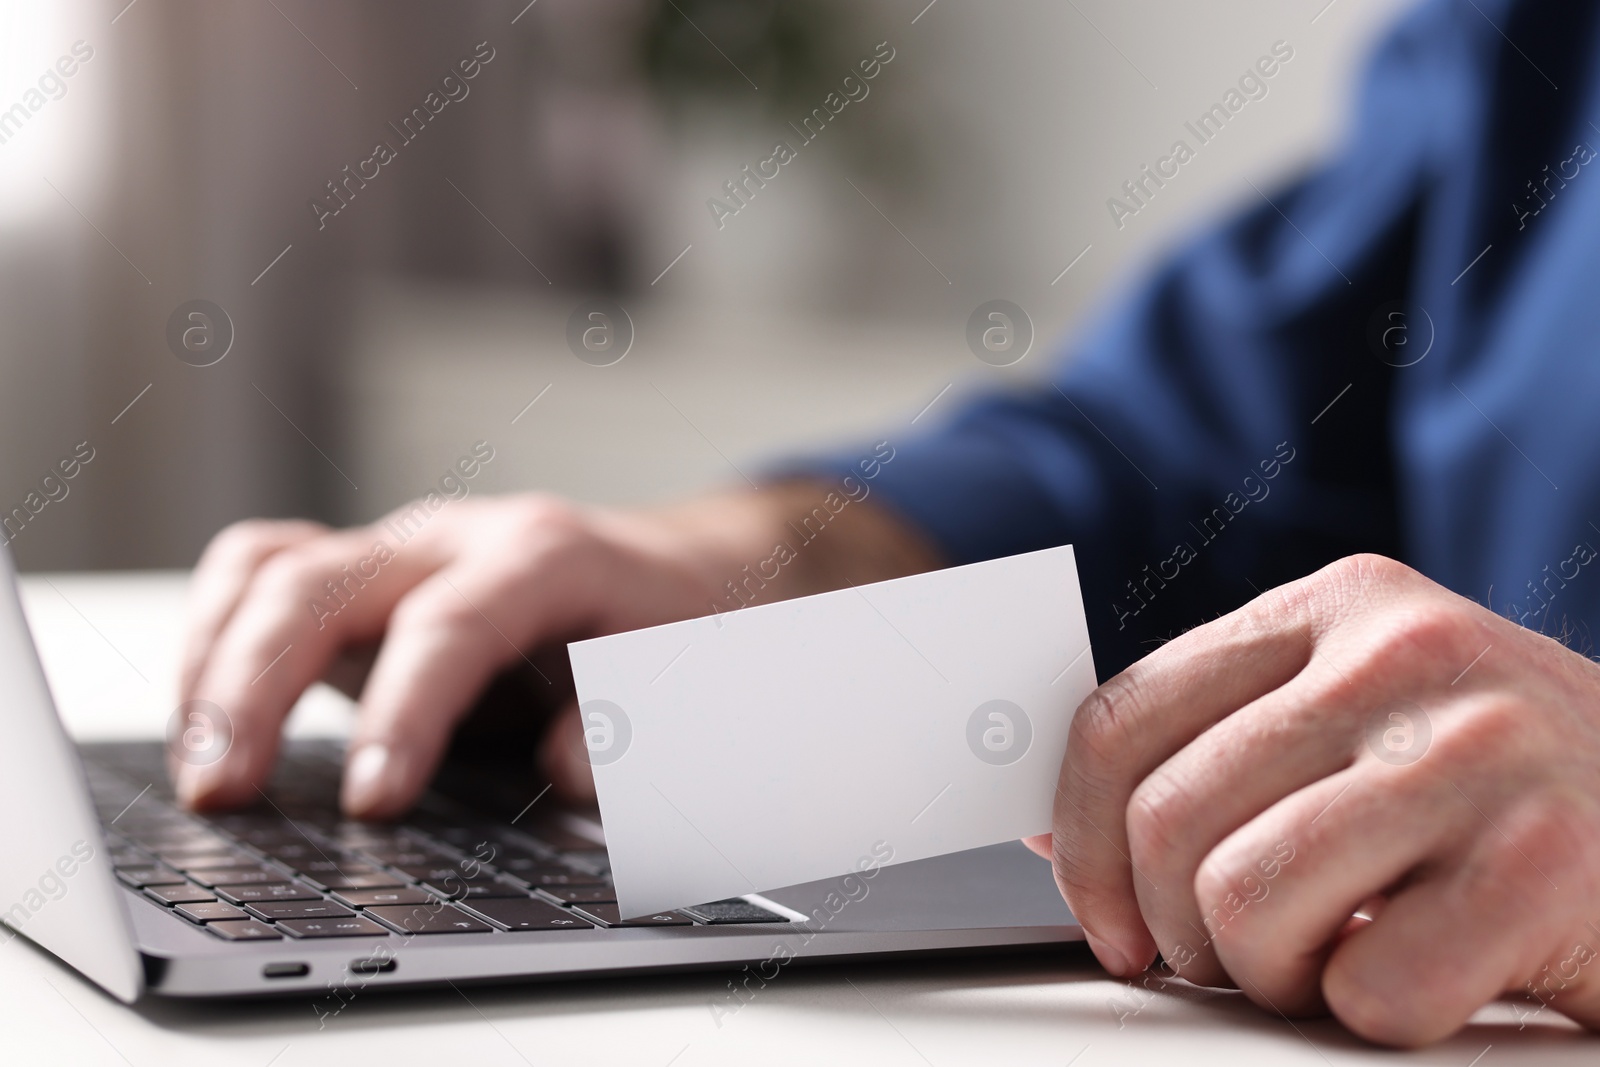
1360, 741
478, 586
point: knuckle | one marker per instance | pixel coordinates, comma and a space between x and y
1350, 580
1420, 639
243, 539
1530, 854
538, 517
1159, 818
433, 608
411, 516
543, 536
1102, 731
1494, 731
1365, 568
1435, 629
290, 573
549, 540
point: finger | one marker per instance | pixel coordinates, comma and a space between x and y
286, 631
1231, 773
1039, 845
1462, 936
1126, 729
219, 582
563, 758
448, 638
1276, 894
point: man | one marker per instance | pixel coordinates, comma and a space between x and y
1362, 790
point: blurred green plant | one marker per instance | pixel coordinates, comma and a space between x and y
787, 49
795, 52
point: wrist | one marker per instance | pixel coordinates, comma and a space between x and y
791, 539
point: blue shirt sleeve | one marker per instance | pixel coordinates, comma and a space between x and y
1226, 427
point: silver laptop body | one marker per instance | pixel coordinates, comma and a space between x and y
80, 863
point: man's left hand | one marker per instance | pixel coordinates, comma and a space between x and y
1359, 793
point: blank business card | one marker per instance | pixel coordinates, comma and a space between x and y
806, 739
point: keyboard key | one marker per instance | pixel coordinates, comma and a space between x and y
376, 880
557, 876
527, 914
594, 858
517, 863
292, 853
582, 894
181, 841
403, 857
274, 910
336, 866
206, 847
608, 915
426, 919
244, 930
354, 926
179, 894
438, 872
138, 877
251, 824
235, 875
268, 838
368, 898
558, 837
147, 821
475, 889
543, 871
460, 836
728, 912
200, 861
210, 912
289, 842
251, 894
359, 836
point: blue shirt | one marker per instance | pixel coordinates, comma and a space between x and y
1397, 357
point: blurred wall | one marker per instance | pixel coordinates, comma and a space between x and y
370, 346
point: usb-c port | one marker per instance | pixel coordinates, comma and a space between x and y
371, 966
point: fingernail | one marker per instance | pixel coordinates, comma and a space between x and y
370, 777
1109, 957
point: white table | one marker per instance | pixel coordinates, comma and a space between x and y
109, 646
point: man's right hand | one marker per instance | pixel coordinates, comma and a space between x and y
482, 583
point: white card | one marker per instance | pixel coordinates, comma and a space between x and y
810, 738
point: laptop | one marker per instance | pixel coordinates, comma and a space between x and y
105, 871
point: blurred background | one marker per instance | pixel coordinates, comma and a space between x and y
197, 151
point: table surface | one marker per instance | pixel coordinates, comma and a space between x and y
109, 646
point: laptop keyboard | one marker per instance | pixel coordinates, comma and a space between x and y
292, 868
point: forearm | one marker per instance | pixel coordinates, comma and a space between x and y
793, 539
